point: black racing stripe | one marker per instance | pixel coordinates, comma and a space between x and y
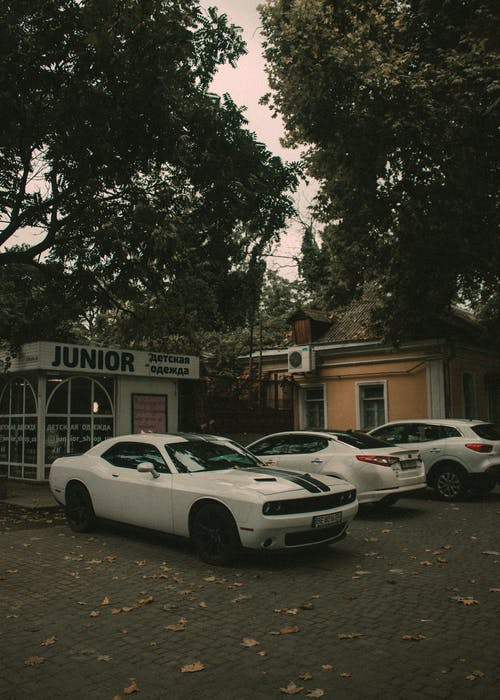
314, 481
305, 481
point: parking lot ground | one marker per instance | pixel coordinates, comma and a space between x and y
407, 606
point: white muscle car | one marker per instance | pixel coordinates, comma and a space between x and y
203, 487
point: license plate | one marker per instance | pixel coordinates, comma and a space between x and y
327, 519
409, 464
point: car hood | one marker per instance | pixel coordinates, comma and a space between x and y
270, 482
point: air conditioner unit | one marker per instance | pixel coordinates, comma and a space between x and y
300, 359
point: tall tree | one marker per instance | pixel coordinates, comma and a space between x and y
398, 105
132, 178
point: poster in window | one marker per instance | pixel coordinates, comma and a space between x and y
149, 413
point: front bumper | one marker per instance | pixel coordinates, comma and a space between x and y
276, 532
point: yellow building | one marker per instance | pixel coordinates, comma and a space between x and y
342, 377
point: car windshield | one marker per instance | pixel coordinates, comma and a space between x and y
361, 440
486, 431
202, 455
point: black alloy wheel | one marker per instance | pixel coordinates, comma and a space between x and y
79, 510
215, 536
449, 483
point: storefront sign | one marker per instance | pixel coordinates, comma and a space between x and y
78, 358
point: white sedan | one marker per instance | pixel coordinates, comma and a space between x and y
379, 471
203, 487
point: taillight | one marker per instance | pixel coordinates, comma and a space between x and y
479, 447
381, 460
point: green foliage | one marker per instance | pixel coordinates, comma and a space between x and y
312, 263
39, 303
145, 191
398, 106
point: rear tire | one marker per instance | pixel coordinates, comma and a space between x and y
214, 535
79, 510
449, 483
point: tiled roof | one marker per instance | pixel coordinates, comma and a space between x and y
353, 322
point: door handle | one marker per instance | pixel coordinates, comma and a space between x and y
316, 461
435, 450
115, 476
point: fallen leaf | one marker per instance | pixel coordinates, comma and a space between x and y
193, 668
292, 689
146, 601
142, 562
262, 653
104, 657
105, 601
132, 688
49, 641
491, 553
345, 675
247, 642
316, 693
287, 611
413, 637
327, 667
178, 627
292, 629
351, 635
34, 661
306, 676
474, 676
94, 613
494, 590
241, 598
425, 563
116, 611
468, 601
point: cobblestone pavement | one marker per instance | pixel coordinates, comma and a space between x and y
408, 606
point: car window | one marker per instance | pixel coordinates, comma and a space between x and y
202, 455
306, 444
129, 454
448, 431
486, 431
360, 440
277, 445
391, 433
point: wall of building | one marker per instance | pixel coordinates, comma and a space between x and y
128, 386
477, 366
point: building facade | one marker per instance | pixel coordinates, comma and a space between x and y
58, 398
342, 377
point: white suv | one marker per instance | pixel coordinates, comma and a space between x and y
459, 455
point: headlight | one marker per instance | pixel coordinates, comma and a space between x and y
272, 508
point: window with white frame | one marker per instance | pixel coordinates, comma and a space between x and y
371, 404
313, 407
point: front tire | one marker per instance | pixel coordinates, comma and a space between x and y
79, 509
214, 535
450, 483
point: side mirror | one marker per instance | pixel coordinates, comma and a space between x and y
145, 467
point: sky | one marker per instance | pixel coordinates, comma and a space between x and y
246, 84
